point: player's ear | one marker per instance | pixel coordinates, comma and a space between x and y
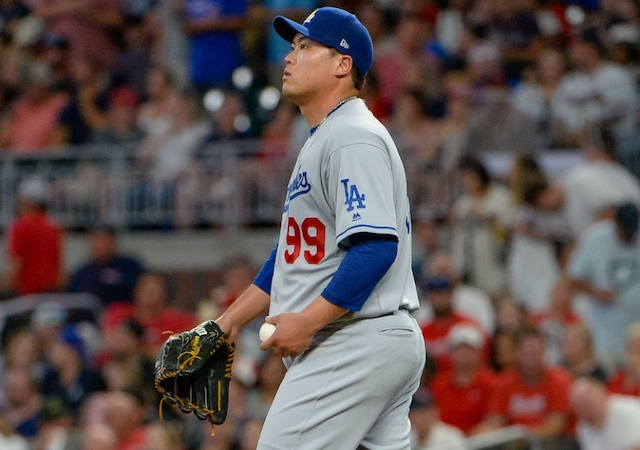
344, 66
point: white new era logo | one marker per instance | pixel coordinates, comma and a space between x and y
344, 44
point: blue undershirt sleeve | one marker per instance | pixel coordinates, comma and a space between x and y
265, 276
360, 271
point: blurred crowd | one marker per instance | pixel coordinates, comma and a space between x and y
529, 274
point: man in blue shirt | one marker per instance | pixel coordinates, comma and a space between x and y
214, 28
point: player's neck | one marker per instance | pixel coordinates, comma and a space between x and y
315, 112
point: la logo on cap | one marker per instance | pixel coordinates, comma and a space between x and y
310, 16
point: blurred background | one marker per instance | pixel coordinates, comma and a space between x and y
145, 151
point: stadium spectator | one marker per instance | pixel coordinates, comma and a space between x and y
592, 189
468, 301
161, 96
123, 364
69, 375
98, 436
416, 138
503, 352
535, 98
626, 380
108, 274
120, 127
166, 161
605, 421
124, 414
525, 170
238, 273
604, 266
511, 316
21, 352
462, 394
34, 241
535, 395
514, 28
397, 68
428, 230
56, 427
33, 123
439, 295
481, 216
54, 50
428, 432
579, 357
135, 59
554, 321
22, 403
87, 108
88, 25
151, 310
598, 91
538, 230
214, 28
453, 126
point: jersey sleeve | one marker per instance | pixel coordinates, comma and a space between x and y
360, 188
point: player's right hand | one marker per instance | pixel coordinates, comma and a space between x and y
292, 336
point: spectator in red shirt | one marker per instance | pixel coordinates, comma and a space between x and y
151, 310
535, 395
462, 394
34, 244
439, 292
627, 380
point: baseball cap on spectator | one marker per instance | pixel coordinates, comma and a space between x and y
465, 333
335, 28
437, 284
626, 217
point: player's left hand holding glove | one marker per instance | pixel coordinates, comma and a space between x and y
193, 371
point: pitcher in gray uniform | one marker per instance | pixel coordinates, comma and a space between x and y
338, 286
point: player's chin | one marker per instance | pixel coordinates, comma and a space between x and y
288, 90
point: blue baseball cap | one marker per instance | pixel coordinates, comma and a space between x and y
335, 28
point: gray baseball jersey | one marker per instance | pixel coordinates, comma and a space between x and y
348, 179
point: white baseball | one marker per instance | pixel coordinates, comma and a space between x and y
266, 330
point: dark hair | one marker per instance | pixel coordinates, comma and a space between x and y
532, 191
475, 165
592, 37
526, 332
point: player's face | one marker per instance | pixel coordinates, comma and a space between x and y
308, 70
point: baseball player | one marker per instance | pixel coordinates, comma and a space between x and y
338, 286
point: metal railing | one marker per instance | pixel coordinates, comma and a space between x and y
227, 184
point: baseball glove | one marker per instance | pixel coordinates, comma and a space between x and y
193, 371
